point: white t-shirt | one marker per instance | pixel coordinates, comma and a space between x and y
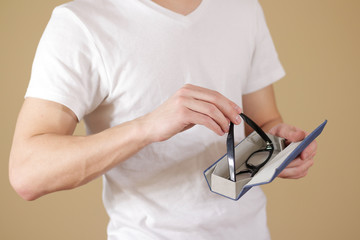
112, 61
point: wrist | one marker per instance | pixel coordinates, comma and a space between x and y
271, 123
143, 131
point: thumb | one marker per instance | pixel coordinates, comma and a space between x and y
290, 133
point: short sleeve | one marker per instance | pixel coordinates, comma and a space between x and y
265, 65
67, 67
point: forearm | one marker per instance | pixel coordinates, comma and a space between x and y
53, 162
261, 107
266, 126
271, 123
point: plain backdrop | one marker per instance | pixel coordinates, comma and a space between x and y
318, 44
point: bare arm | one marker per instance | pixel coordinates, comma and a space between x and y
261, 107
45, 157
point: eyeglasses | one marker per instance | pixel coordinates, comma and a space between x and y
257, 159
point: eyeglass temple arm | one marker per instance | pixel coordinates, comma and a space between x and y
230, 143
254, 126
231, 152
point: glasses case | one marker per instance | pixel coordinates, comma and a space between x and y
218, 177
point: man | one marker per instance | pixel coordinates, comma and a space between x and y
153, 82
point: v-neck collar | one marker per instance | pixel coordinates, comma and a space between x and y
186, 19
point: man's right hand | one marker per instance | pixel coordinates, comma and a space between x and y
189, 106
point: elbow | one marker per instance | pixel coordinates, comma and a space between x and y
23, 185
23, 188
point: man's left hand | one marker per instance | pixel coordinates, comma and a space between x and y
300, 166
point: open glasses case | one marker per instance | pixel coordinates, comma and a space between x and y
218, 174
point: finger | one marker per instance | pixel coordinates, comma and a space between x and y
288, 132
298, 161
295, 163
297, 172
202, 119
227, 107
309, 150
210, 110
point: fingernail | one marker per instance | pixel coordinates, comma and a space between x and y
238, 109
238, 119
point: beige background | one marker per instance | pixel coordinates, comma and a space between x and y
318, 43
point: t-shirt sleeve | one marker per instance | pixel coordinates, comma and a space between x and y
265, 65
67, 67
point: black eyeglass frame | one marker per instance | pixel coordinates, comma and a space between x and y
252, 169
